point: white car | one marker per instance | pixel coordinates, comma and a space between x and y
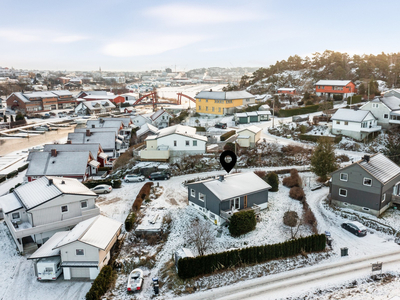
135, 281
133, 178
102, 189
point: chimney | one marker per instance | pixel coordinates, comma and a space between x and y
54, 152
221, 178
210, 90
50, 181
62, 182
366, 158
93, 126
87, 132
68, 141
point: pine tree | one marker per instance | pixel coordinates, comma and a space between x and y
273, 181
392, 148
361, 89
323, 160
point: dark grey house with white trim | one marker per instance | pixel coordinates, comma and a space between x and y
370, 185
221, 197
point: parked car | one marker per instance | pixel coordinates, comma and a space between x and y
221, 125
46, 116
102, 189
356, 228
135, 280
159, 176
133, 178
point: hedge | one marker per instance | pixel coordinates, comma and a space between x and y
299, 111
115, 183
130, 219
189, 267
354, 99
227, 135
200, 129
12, 174
3, 178
24, 167
242, 222
143, 194
315, 138
13, 188
101, 284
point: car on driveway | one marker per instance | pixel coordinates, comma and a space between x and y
221, 125
102, 189
135, 281
159, 176
133, 178
355, 228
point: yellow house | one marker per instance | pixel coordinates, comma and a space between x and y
222, 103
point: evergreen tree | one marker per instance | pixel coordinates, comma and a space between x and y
361, 89
5, 118
273, 181
11, 118
392, 148
323, 160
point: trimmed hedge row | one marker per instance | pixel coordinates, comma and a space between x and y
12, 174
3, 178
354, 99
299, 111
101, 284
24, 167
200, 129
129, 221
227, 135
315, 138
189, 267
115, 183
143, 194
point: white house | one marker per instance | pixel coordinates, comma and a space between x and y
249, 136
35, 211
173, 141
357, 124
161, 118
386, 109
94, 107
140, 120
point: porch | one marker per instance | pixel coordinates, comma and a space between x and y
227, 214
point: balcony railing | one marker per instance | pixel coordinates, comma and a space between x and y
227, 214
371, 129
396, 199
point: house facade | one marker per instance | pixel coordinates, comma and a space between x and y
218, 199
335, 87
35, 211
249, 136
370, 185
161, 118
222, 103
386, 109
86, 108
357, 124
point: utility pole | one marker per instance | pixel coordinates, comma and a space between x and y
368, 91
273, 112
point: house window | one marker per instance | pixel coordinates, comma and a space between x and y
344, 176
187, 143
375, 105
174, 143
212, 216
206, 108
64, 208
383, 197
202, 197
83, 204
386, 116
235, 202
367, 181
199, 107
219, 109
343, 192
338, 122
213, 109
16, 216
80, 252
346, 123
194, 143
192, 192
206, 100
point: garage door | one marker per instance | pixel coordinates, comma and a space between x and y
80, 273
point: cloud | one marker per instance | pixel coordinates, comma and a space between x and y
69, 39
18, 35
218, 49
149, 45
178, 14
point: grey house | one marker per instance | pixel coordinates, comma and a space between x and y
370, 185
218, 199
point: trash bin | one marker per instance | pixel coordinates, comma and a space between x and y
156, 285
329, 241
344, 251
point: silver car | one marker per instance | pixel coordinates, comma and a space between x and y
133, 178
102, 189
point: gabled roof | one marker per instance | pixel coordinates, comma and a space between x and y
224, 95
287, 89
251, 128
147, 127
62, 93
333, 82
46, 250
158, 113
125, 121
101, 123
181, 130
40, 95
92, 147
351, 115
380, 167
9, 203
391, 101
97, 232
105, 138
21, 97
235, 185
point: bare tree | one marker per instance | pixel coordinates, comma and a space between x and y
201, 235
291, 219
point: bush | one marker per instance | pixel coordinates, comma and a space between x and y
200, 129
337, 97
290, 218
143, 194
24, 167
13, 188
309, 102
354, 99
12, 174
101, 284
195, 266
315, 138
298, 111
3, 178
227, 135
296, 193
273, 181
242, 222
229, 146
129, 221
293, 180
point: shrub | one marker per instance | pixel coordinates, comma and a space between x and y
261, 174
229, 146
12, 174
13, 188
337, 97
143, 194
293, 180
273, 181
298, 111
200, 129
309, 102
242, 222
315, 138
354, 99
290, 218
342, 158
24, 167
296, 193
227, 135
129, 221
3, 178
101, 284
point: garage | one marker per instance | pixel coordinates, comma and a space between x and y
80, 272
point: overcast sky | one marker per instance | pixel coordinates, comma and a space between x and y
131, 35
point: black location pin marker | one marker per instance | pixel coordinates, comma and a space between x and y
227, 160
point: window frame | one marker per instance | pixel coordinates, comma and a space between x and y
64, 212
187, 143
175, 143
346, 123
367, 179
347, 177
201, 195
193, 193
82, 202
387, 116
383, 198
76, 252
16, 219
340, 194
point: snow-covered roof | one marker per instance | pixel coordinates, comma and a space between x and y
62, 93
235, 185
105, 138
263, 112
391, 101
98, 104
115, 130
92, 147
46, 250
287, 89
21, 97
97, 231
182, 130
224, 95
241, 115
101, 123
350, 115
146, 128
264, 106
125, 121
9, 203
333, 82
157, 114
99, 97
252, 113
251, 128
381, 167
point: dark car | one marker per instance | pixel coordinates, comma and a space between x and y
355, 228
221, 125
46, 116
159, 176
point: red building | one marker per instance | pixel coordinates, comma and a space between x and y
331, 87
289, 91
